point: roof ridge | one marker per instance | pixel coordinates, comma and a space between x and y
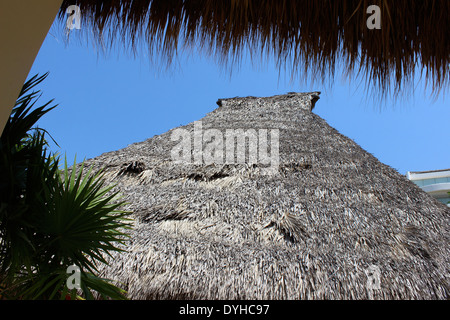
294, 96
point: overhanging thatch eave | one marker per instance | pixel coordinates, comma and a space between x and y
305, 37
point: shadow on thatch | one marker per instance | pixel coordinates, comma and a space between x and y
331, 222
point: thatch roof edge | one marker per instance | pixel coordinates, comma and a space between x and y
308, 38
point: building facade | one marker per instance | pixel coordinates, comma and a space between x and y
436, 183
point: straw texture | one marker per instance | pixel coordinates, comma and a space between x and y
330, 222
307, 38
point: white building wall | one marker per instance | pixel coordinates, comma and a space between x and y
436, 183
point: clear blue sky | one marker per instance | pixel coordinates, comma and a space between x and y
109, 102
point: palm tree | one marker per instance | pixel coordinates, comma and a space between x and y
51, 219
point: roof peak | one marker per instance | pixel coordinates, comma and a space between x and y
306, 100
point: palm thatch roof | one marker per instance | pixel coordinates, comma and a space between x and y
329, 222
305, 37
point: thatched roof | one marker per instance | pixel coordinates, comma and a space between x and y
306, 37
325, 222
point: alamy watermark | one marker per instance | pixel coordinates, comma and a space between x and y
74, 280
373, 274
374, 20
212, 146
74, 18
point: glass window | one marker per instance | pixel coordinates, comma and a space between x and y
427, 182
441, 180
419, 182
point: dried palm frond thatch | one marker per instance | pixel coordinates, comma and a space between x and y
330, 222
305, 37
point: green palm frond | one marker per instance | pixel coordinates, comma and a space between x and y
52, 218
82, 218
